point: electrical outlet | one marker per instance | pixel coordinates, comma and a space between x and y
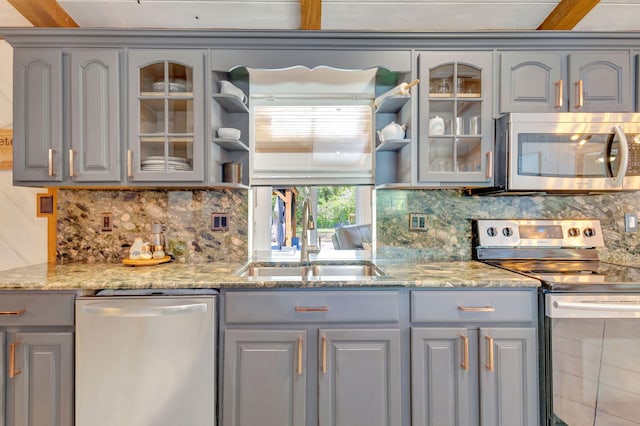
219, 221
417, 221
630, 222
107, 222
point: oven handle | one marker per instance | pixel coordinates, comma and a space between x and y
598, 306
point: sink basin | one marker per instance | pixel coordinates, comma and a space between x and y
315, 271
274, 271
363, 270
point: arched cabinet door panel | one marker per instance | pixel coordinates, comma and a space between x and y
37, 134
594, 81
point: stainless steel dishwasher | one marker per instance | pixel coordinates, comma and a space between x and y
145, 359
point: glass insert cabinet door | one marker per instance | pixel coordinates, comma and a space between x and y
166, 122
455, 142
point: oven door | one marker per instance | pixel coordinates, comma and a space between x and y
568, 156
593, 359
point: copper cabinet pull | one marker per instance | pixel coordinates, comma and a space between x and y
12, 359
465, 353
312, 308
559, 93
129, 163
489, 364
324, 354
71, 165
299, 355
476, 308
14, 313
51, 171
489, 173
579, 94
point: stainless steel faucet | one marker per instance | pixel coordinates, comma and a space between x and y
308, 224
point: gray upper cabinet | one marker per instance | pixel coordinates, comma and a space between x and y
166, 116
94, 155
590, 81
456, 126
42, 115
37, 115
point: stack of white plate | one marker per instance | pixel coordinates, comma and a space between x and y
156, 163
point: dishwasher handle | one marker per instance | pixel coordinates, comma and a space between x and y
118, 309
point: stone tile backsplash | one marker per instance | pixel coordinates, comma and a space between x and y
449, 216
186, 215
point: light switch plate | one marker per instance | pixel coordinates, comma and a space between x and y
107, 222
630, 222
417, 221
219, 221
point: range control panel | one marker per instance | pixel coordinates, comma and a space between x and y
539, 233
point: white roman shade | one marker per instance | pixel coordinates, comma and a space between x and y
312, 126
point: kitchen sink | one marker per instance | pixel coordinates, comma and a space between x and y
315, 270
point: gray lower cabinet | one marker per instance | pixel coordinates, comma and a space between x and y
36, 335
590, 81
474, 358
359, 377
40, 378
264, 381
303, 358
357, 372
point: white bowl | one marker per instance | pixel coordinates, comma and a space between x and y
228, 133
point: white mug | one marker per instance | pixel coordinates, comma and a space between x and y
228, 88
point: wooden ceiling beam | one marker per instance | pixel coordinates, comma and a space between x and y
567, 14
44, 13
310, 14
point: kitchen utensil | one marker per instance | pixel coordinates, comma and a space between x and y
392, 131
157, 236
401, 89
228, 133
228, 88
232, 172
436, 126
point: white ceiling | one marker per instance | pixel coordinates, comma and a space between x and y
381, 15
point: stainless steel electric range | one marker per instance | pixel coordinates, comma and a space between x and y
589, 312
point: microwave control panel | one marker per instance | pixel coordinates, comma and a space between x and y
633, 169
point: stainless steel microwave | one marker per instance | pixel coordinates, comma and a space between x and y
567, 152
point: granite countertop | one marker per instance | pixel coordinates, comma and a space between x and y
220, 275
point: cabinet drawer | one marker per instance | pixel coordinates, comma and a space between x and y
311, 306
473, 305
36, 308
